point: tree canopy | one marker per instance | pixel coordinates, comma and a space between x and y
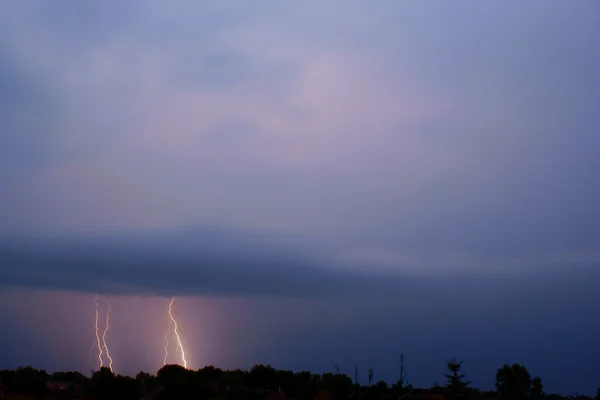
176, 382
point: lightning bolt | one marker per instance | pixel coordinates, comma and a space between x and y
110, 360
97, 335
167, 342
179, 345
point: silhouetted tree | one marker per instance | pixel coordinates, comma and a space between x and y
400, 389
456, 386
286, 380
102, 384
262, 376
232, 379
513, 382
74, 377
126, 388
306, 385
28, 380
537, 389
179, 383
173, 374
145, 381
144, 376
381, 386
340, 384
176, 382
437, 389
209, 375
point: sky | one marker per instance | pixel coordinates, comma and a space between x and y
316, 183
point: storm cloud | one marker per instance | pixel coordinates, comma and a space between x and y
184, 263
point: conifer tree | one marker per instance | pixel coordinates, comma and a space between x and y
456, 386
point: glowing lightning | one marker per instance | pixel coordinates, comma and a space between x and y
179, 345
167, 342
110, 361
98, 336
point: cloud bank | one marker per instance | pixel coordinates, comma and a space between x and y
223, 263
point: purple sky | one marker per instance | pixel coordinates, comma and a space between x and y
320, 183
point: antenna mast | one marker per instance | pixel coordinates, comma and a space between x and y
402, 369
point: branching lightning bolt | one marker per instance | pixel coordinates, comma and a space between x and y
179, 345
98, 336
110, 361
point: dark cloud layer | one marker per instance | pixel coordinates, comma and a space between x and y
186, 263
229, 263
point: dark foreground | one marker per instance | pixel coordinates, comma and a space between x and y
260, 383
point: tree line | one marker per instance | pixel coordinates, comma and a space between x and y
513, 382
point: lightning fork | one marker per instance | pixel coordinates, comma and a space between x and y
97, 335
179, 345
167, 342
110, 360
